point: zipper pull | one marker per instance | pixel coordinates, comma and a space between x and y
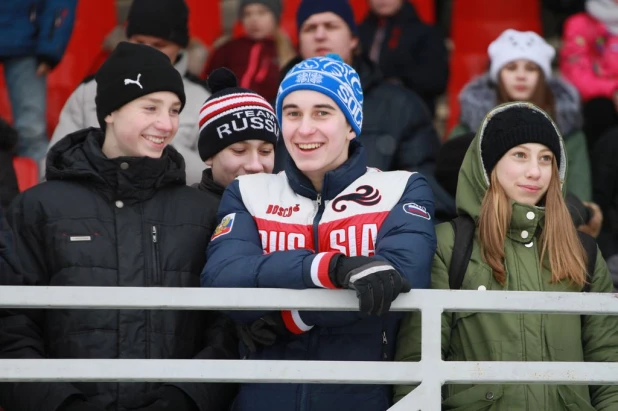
154, 234
384, 339
319, 199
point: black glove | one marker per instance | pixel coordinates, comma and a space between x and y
78, 404
376, 282
165, 398
263, 332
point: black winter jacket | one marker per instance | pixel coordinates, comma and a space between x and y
116, 223
397, 133
412, 52
8, 179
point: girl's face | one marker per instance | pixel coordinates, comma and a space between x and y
258, 21
244, 157
316, 133
524, 172
520, 79
142, 127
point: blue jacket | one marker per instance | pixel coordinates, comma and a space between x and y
270, 227
40, 28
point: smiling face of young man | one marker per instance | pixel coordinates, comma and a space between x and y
316, 133
325, 33
142, 127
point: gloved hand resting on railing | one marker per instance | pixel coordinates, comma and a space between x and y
264, 331
376, 282
165, 398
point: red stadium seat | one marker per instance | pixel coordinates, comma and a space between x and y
94, 20
476, 23
5, 104
27, 173
205, 20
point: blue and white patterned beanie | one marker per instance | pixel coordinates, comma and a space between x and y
332, 77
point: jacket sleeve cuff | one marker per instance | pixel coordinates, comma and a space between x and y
316, 270
294, 323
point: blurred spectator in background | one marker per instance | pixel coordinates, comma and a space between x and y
258, 56
33, 37
8, 181
605, 181
398, 133
589, 60
162, 24
408, 51
521, 71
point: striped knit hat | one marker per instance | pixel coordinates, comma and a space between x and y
232, 114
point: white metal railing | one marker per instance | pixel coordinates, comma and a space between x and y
431, 372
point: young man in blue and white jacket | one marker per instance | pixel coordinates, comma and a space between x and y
327, 221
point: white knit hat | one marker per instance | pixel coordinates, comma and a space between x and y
514, 45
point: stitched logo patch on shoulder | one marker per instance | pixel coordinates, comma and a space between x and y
416, 210
224, 227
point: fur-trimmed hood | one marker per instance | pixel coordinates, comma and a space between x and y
478, 97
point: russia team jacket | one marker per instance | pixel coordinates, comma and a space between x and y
276, 231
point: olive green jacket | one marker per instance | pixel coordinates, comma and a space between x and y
477, 336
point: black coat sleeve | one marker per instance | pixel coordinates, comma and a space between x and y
427, 72
21, 330
221, 343
418, 142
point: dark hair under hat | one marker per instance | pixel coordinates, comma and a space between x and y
274, 5
133, 71
514, 126
233, 114
166, 19
342, 8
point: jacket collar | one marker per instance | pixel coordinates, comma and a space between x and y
335, 181
79, 157
208, 184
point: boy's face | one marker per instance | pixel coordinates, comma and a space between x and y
168, 48
244, 157
316, 133
325, 33
142, 127
258, 21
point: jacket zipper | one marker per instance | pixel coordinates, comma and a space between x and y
384, 346
156, 271
304, 388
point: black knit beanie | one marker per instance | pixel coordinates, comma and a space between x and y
133, 71
232, 114
166, 19
514, 126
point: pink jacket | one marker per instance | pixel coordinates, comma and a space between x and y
589, 57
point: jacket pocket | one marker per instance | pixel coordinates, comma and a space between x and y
156, 257
571, 401
476, 398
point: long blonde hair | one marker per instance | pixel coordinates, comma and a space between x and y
559, 239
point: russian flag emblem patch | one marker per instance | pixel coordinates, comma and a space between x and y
416, 210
